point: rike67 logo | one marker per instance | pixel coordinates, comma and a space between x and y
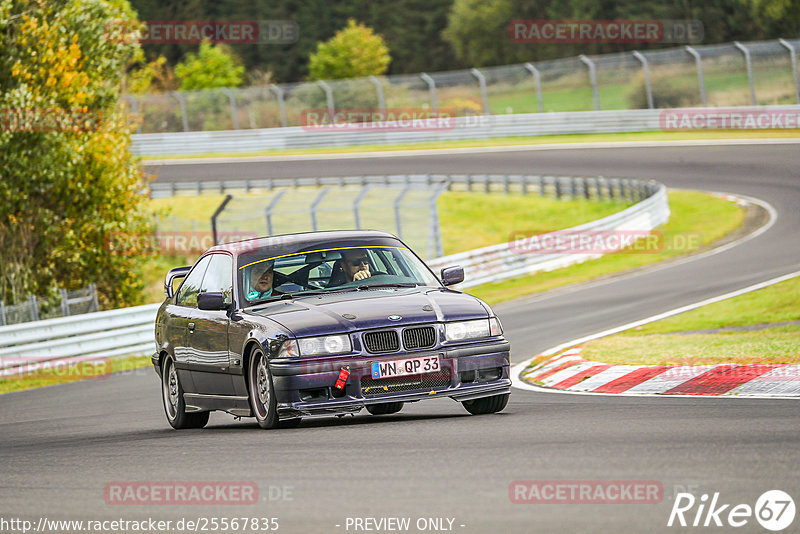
774, 510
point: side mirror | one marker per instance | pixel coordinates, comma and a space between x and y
177, 272
211, 301
452, 275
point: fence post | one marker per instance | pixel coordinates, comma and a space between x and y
484, 94
793, 56
328, 98
749, 65
281, 103
397, 202
379, 92
357, 204
314, 207
34, 307
2, 313
593, 79
232, 100
537, 80
700, 80
431, 89
216, 214
64, 302
435, 248
182, 101
135, 111
269, 208
93, 291
646, 68
524, 184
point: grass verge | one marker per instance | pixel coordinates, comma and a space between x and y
50, 374
744, 329
697, 220
693, 135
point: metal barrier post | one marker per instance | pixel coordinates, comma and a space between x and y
64, 302
700, 80
646, 68
34, 307
793, 56
379, 92
484, 94
328, 98
435, 248
432, 90
182, 101
537, 80
397, 202
593, 79
314, 207
281, 103
135, 111
2, 313
269, 208
749, 66
93, 291
357, 204
216, 214
232, 101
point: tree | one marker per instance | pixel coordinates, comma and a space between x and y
212, 67
69, 188
354, 52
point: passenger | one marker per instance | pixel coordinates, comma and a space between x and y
261, 275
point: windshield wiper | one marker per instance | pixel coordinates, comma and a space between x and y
372, 286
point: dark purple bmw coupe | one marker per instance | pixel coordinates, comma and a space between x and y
322, 323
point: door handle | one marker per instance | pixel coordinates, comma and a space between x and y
191, 327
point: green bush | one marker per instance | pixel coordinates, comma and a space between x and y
667, 93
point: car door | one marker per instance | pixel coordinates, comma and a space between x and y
208, 332
179, 315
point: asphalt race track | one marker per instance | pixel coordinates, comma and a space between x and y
60, 446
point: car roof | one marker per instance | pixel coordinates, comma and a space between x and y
290, 243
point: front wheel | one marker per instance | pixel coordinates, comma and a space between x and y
262, 394
174, 405
486, 405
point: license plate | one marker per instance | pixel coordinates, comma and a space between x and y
410, 366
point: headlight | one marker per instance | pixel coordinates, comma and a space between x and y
289, 349
323, 345
466, 330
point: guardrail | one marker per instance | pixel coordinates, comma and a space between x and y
477, 127
89, 336
129, 331
501, 262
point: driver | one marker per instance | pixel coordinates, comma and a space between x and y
355, 264
261, 275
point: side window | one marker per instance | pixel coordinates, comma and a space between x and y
219, 277
187, 296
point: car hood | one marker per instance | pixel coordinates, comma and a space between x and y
357, 310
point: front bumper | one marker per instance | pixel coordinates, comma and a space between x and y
467, 372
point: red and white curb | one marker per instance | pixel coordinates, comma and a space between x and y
568, 371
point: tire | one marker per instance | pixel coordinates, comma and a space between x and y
486, 405
174, 405
385, 409
262, 392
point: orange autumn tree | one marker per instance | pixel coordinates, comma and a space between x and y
69, 188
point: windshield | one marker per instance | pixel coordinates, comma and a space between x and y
332, 269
